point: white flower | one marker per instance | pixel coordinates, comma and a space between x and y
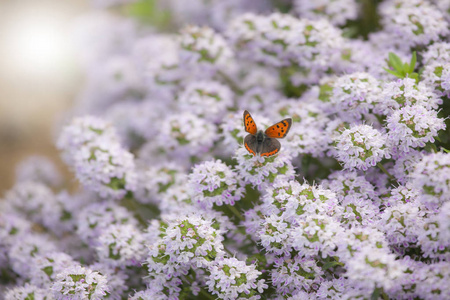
361, 147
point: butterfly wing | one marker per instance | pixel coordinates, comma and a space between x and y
270, 147
280, 129
249, 123
251, 144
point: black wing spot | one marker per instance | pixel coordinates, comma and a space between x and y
279, 134
278, 126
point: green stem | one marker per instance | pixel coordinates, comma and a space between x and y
236, 212
206, 294
228, 251
433, 146
382, 168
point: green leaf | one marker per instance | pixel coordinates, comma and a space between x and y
414, 76
412, 63
395, 62
395, 73
446, 150
331, 264
375, 295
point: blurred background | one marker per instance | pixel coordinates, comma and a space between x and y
39, 77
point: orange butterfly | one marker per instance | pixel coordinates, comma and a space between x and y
264, 143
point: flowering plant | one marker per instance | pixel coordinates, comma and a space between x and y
171, 205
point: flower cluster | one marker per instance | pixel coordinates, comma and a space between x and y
354, 203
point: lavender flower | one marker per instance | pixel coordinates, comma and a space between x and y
404, 164
204, 49
117, 280
28, 291
99, 161
148, 294
438, 52
95, 218
25, 248
187, 241
158, 138
317, 233
401, 223
206, 99
361, 147
185, 135
154, 182
437, 75
83, 131
38, 169
413, 126
213, 182
232, 279
356, 196
406, 92
45, 267
261, 172
432, 239
293, 201
433, 281
306, 136
355, 95
78, 282
275, 40
430, 176
373, 268
413, 22
337, 12
275, 235
291, 276
121, 245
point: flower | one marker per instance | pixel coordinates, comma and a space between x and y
95, 218
38, 169
261, 172
337, 12
28, 291
232, 279
185, 135
214, 183
413, 22
431, 177
78, 282
206, 99
406, 92
361, 147
201, 47
355, 95
291, 275
121, 245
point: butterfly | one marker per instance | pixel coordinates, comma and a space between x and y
264, 143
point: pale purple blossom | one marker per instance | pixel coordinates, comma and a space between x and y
78, 282
361, 147
232, 279
214, 183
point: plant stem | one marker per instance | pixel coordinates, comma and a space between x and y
228, 251
236, 212
382, 168
206, 294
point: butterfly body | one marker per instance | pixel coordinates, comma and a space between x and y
264, 143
